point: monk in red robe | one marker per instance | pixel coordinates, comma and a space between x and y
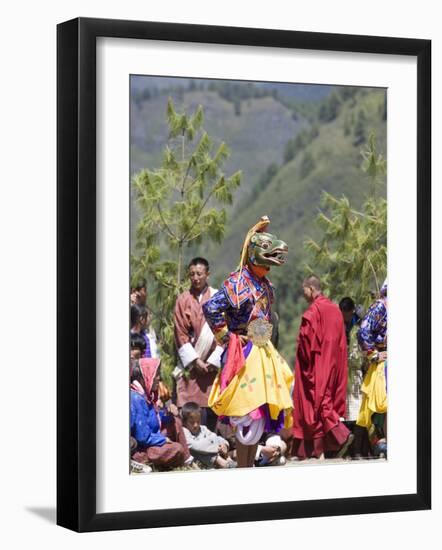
320, 378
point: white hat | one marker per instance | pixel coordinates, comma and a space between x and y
276, 441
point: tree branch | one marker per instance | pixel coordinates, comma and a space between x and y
166, 227
192, 237
200, 212
160, 212
183, 188
356, 213
374, 274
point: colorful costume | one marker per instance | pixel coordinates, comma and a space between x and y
321, 380
254, 386
372, 338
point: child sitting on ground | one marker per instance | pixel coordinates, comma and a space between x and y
272, 453
209, 449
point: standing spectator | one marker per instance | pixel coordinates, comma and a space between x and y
320, 378
372, 337
138, 293
352, 315
198, 354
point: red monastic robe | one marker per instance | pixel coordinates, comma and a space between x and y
320, 380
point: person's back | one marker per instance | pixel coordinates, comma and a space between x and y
329, 317
320, 377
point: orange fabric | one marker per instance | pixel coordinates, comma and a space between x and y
258, 270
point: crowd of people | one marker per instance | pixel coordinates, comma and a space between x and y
235, 401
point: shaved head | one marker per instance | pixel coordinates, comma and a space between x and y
313, 282
311, 288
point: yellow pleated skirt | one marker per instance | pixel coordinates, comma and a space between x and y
265, 378
374, 394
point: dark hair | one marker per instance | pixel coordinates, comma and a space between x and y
135, 371
199, 261
346, 304
188, 409
137, 342
136, 374
141, 283
136, 312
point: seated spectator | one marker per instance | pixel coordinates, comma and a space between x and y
153, 447
209, 449
140, 318
272, 453
171, 424
137, 346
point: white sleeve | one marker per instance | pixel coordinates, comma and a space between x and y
187, 354
188, 436
153, 344
215, 357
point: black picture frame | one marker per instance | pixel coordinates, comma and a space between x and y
76, 273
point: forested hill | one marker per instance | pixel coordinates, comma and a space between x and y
255, 120
325, 156
256, 129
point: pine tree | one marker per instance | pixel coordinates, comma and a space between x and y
351, 256
180, 204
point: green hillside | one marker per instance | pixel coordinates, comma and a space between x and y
256, 137
331, 162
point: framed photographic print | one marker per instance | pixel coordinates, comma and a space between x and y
195, 165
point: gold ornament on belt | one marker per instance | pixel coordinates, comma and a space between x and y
259, 332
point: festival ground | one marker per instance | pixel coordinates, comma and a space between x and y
291, 463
